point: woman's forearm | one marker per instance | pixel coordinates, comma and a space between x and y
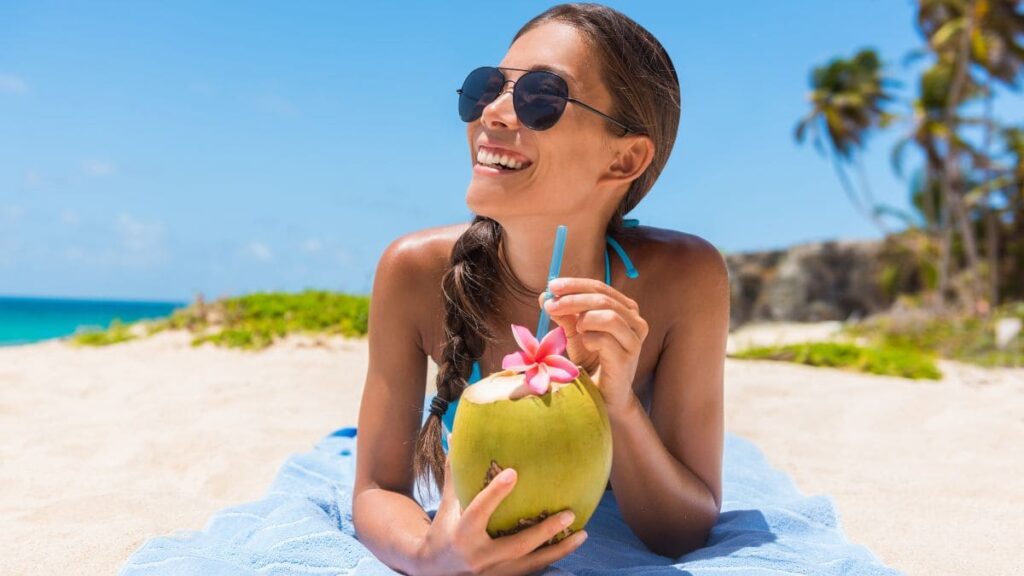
392, 526
669, 508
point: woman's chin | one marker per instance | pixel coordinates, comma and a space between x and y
486, 198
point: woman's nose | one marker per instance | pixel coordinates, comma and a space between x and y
501, 111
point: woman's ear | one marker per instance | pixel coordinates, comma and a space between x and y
635, 153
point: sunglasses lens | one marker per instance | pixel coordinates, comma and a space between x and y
480, 89
539, 99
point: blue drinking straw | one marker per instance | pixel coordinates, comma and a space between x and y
553, 271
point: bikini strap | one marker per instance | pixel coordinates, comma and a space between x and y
631, 270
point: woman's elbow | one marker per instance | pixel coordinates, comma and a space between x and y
692, 536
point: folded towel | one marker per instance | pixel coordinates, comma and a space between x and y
303, 525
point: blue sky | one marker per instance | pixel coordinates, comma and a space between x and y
156, 150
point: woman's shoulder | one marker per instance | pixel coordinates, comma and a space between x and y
426, 251
673, 252
410, 274
679, 272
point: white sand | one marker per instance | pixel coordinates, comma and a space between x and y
106, 447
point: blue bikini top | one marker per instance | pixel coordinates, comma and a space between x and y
631, 272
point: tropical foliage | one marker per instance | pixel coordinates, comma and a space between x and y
968, 194
255, 321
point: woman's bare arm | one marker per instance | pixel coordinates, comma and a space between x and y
388, 521
667, 474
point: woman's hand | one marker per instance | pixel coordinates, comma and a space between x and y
604, 333
457, 541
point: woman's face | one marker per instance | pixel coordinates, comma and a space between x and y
564, 162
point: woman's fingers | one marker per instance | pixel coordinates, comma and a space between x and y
565, 286
449, 505
479, 511
626, 316
541, 557
529, 539
595, 322
601, 330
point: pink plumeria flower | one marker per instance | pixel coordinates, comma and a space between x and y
542, 361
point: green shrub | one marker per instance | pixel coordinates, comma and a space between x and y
117, 332
255, 321
956, 336
888, 361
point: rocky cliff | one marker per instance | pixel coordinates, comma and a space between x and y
807, 283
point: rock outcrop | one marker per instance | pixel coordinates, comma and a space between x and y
813, 282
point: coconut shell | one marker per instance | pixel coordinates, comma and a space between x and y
559, 443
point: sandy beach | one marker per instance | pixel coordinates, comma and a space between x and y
104, 448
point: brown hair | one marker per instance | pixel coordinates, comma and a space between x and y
645, 95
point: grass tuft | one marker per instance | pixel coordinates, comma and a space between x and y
254, 321
117, 332
887, 361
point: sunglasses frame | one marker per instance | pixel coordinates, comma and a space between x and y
568, 98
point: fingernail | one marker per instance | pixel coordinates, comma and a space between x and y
566, 517
582, 536
507, 476
556, 284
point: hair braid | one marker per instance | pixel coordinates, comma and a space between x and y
469, 288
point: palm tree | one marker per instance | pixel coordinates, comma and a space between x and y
982, 33
847, 100
1011, 184
929, 131
995, 49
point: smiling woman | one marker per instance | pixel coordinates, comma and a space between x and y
572, 127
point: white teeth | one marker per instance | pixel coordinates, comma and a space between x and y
485, 157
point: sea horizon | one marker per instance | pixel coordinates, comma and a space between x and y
31, 319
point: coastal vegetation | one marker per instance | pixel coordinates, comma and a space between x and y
957, 336
883, 360
117, 332
252, 321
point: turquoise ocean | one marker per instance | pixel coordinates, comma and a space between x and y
24, 319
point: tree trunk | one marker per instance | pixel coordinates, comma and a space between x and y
945, 247
950, 176
991, 217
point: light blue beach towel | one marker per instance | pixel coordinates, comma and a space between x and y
303, 526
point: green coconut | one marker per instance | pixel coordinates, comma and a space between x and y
559, 443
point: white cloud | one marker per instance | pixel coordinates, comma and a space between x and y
69, 218
75, 254
34, 178
260, 251
311, 245
11, 213
138, 237
345, 257
98, 167
11, 84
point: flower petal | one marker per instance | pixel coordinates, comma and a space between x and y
537, 379
516, 361
560, 368
525, 340
552, 343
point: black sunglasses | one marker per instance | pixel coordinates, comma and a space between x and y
538, 96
